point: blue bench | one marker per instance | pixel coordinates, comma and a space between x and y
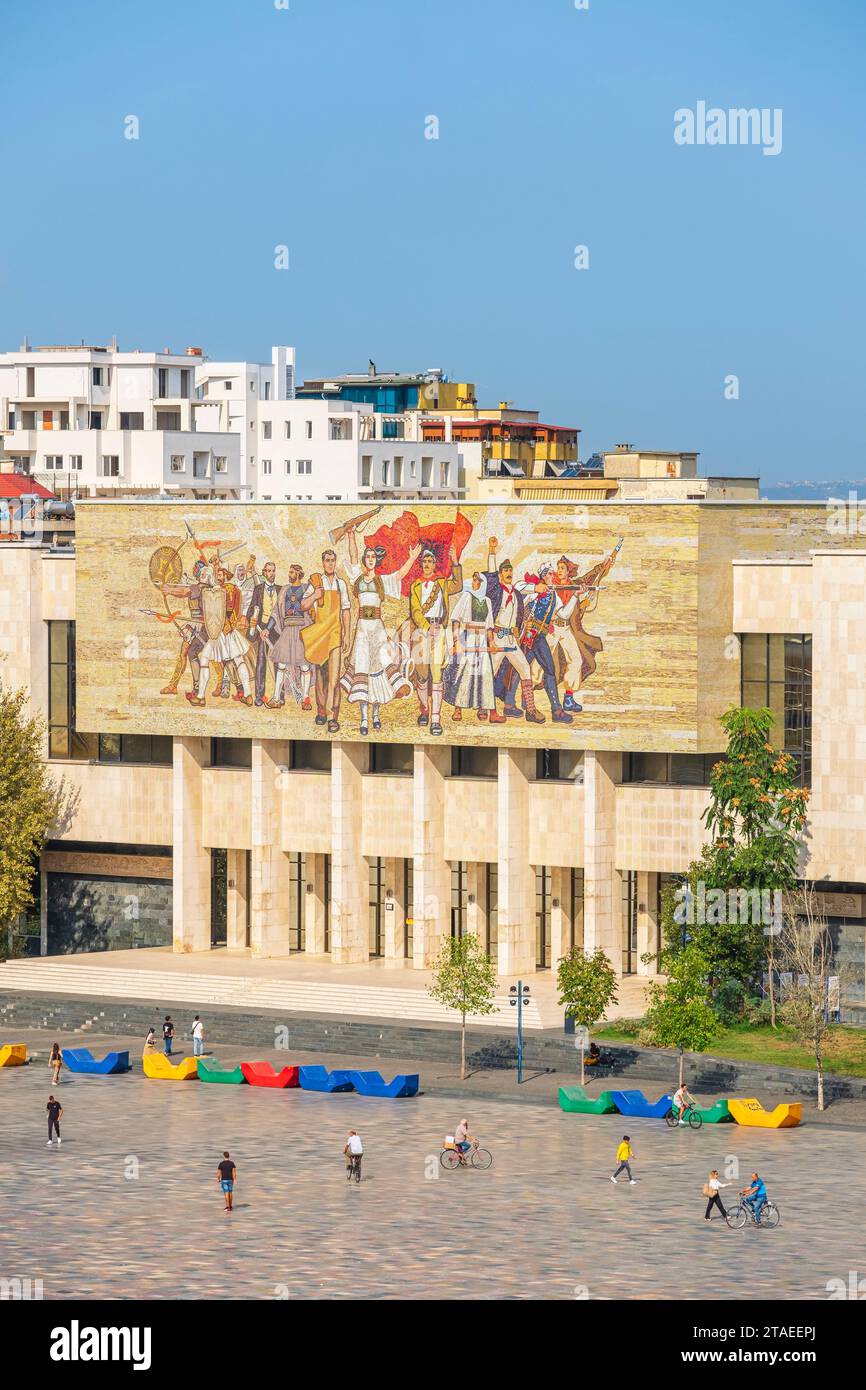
372, 1083
318, 1078
81, 1059
636, 1105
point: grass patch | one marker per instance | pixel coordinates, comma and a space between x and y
845, 1048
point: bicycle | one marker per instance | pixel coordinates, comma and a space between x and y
451, 1157
738, 1216
693, 1117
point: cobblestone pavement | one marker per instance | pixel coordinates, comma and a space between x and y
130, 1207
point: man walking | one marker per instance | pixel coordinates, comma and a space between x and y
197, 1037
623, 1154
226, 1176
55, 1110
354, 1151
167, 1034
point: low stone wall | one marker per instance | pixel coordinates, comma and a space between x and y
543, 1051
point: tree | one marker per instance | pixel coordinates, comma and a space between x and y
805, 949
680, 1013
755, 816
30, 802
464, 979
587, 988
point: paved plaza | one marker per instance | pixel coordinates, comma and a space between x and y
130, 1207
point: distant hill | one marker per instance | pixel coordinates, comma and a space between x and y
813, 492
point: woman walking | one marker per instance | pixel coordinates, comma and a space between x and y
372, 675
55, 1062
711, 1191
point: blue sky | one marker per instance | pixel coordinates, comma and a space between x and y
305, 127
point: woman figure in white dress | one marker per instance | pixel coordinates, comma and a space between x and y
469, 677
373, 675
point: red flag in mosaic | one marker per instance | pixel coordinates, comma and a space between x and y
397, 540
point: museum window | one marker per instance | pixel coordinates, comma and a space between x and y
459, 897
231, 752
394, 759
63, 740
491, 901
408, 907
474, 762
559, 765
309, 755
326, 889
776, 674
136, 748
574, 905
376, 902
542, 917
297, 901
629, 923
673, 769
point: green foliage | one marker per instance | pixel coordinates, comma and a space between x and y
680, 1013
463, 977
29, 802
587, 985
757, 812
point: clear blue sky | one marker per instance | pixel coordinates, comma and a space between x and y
261, 126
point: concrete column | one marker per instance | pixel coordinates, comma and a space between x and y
269, 869
432, 871
602, 883
237, 901
476, 912
314, 905
395, 914
350, 882
647, 920
516, 874
191, 863
560, 923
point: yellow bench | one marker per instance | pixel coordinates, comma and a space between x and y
157, 1066
13, 1055
751, 1112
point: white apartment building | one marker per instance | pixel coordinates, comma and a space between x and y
312, 450
90, 421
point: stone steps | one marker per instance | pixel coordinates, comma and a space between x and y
251, 993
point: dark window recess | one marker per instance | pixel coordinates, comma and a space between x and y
542, 918
231, 752
677, 769
558, 765
135, 748
776, 674
63, 740
629, 923
131, 420
309, 755
474, 762
376, 944
394, 758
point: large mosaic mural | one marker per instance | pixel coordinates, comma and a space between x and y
537, 624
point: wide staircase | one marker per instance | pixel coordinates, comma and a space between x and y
325, 995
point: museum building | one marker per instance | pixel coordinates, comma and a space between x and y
247, 824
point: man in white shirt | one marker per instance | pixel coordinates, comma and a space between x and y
681, 1100
428, 610
353, 1150
197, 1037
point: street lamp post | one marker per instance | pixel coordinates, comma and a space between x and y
519, 996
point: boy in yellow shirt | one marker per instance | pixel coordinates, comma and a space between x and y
623, 1154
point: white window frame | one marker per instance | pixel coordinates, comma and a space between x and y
178, 459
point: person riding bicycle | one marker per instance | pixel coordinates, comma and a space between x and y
755, 1197
682, 1100
463, 1140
